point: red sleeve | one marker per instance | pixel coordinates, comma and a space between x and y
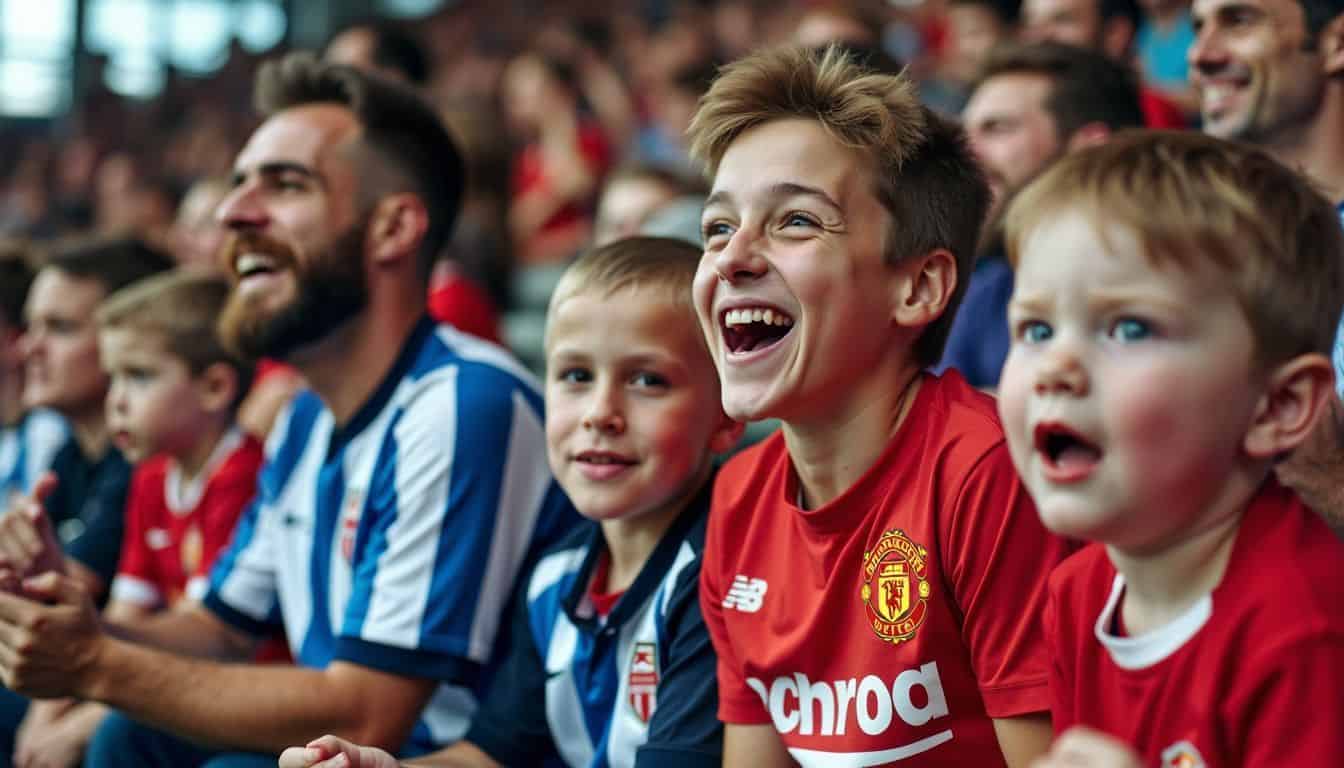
235, 491
1290, 712
738, 703
136, 563
1001, 562
1060, 681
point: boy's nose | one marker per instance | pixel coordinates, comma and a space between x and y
604, 415
1061, 372
740, 259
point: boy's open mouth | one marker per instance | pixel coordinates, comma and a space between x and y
751, 328
1065, 450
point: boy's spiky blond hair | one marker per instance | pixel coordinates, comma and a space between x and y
924, 172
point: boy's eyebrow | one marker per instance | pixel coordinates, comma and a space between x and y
780, 190
1112, 299
1030, 302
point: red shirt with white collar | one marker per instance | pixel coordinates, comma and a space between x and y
174, 530
896, 621
1251, 675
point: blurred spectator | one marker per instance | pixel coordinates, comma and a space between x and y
632, 195
1108, 26
197, 236
1165, 36
849, 26
382, 48
560, 166
974, 28
662, 141
1033, 104
29, 438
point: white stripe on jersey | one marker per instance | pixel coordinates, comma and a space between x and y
423, 471
564, 709
293, 509
551, 569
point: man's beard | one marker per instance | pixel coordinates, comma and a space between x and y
329, 291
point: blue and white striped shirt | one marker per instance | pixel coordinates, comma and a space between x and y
394, 542
27, 448
636, 688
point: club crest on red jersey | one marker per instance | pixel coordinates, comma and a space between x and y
643, 680
1182, 754
895, 586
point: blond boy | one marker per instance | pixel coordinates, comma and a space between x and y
1175, 304
611, 663
874, 573
173, 392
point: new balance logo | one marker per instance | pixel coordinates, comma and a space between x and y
746, 594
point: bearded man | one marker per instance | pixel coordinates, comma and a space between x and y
401, 496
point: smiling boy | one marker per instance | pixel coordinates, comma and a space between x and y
1172, 316
610, 663
874, 573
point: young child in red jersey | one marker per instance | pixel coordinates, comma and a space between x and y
171, 402
874, 574
1174, 308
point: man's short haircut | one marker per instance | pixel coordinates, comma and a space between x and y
112, 262
1192, 199
1319, 13
401, 129
181, 307
16, 277
1086, 86
926, 176
664, 264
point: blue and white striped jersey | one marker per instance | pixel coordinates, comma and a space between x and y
394, 542
27, 448
637, 688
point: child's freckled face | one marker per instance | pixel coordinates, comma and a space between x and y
794, 226
632, 402
1129, 386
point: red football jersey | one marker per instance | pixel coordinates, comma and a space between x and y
894, 622
174, 531
1250, 676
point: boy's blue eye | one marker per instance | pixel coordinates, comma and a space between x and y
1035, 331
1131, 329
794, 219
717, 229
647, 379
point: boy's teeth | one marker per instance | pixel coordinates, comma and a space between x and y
767, 316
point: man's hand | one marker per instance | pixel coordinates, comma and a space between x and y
1081, 747
331, 752
48, 644
28, 543
54, 735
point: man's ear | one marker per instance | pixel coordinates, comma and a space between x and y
924, 286
1089, 135
218, 387
1294, 398
397, 228
726, 434
1330, 43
